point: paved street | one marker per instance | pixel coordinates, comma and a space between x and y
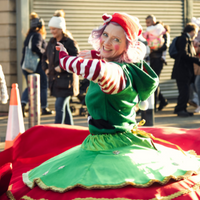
164, 118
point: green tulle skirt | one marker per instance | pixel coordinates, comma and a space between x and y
113, 161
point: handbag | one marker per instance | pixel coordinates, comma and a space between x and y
31, 59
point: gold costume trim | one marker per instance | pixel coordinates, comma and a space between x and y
27, 181
10, 187
29, 198
42, 185
10, 195
90, 198
192, 152
169, 197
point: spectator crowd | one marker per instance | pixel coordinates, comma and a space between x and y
64, 85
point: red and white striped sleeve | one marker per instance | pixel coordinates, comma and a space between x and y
109, 76
95, 54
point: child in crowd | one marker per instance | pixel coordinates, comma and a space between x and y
3, 88
154, 36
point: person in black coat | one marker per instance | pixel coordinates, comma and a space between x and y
60, 81
183, 70
38, 33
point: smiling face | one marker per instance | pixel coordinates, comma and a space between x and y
112, 42
56, 32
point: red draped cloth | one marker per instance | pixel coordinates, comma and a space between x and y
42, 142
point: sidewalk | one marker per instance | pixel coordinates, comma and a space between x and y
164, 118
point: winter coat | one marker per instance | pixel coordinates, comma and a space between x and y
183, 65
38, 45
60, 83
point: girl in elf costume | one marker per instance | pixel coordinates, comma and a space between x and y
116, 153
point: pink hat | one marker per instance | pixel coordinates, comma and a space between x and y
129, 23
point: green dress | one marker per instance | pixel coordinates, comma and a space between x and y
112, 156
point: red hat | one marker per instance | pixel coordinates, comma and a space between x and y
129, 23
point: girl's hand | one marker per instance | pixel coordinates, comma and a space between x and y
60, 47
58, 69
86, 54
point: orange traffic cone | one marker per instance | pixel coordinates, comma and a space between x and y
15, 125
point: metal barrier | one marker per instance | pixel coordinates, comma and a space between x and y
34, 99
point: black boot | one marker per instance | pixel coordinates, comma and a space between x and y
162, 104
46, 111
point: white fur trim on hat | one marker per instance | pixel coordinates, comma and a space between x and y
106, 18
57, 22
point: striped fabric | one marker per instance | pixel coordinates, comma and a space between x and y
109, 76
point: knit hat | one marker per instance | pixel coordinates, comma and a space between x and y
36, 22
129, 23
57, 22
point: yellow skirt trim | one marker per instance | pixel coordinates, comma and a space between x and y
169, 197
40, 183
10, 195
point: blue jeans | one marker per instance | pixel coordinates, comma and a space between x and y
63, 112
43, 87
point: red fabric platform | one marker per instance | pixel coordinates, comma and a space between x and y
44, 141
